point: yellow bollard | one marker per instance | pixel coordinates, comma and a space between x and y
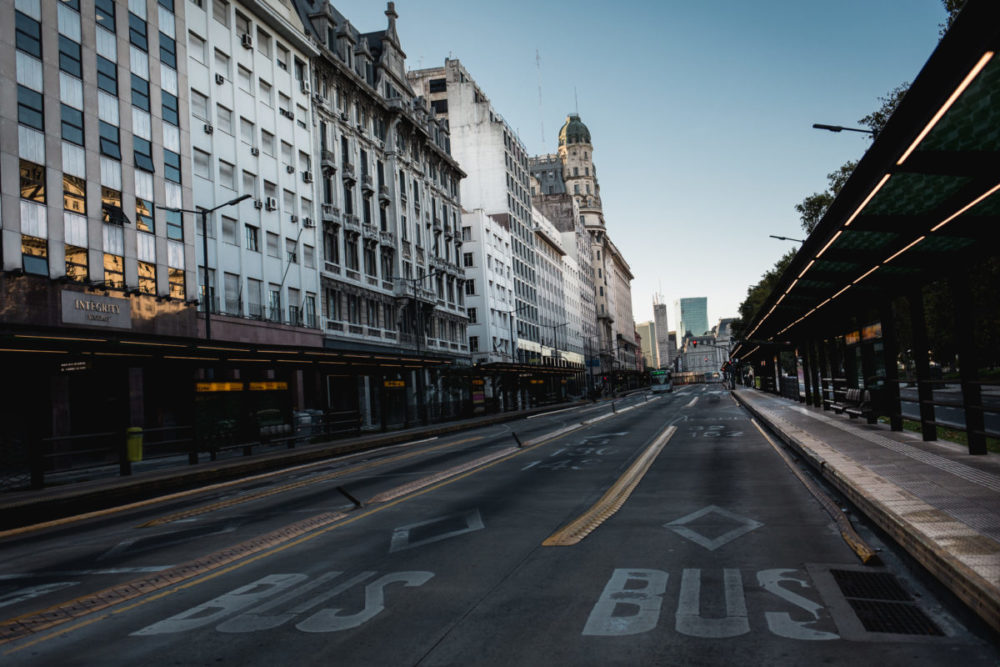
133, 443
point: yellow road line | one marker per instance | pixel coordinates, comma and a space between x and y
229, 502
202, 569
613, 499
847, 532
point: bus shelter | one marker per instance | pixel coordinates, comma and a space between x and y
910, 240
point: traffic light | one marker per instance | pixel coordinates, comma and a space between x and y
694, 343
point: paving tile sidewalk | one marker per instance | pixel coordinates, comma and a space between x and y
936, 500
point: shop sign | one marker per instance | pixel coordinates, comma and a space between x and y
268, 386
96, 310
853, 338
872, 331
73, 366
208, 387
394, 384
538, 382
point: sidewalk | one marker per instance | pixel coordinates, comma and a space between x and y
938, 502
25, 508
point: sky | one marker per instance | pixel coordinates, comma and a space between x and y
700, 112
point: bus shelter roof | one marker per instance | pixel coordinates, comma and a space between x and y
922, 202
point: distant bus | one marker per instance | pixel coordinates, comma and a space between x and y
660, 381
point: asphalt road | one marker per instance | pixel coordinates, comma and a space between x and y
719, 555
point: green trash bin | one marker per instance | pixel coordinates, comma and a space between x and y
133, 443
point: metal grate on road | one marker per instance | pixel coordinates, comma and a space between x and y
882, 605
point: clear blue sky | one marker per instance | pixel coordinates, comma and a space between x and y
700, 112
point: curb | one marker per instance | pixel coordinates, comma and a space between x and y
970, 587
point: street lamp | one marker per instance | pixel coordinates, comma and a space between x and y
786, 238
203, 212
841, 128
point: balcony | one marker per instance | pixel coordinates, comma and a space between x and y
328, 162
383, 193
369, 232
367, 183
352, 224
387, 238
437, 223
330, 213
348, 173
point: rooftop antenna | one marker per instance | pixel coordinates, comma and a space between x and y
576, 102
541, 116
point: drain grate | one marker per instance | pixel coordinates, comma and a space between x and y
893, 617
882, 605
870, 585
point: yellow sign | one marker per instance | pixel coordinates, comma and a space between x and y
538, 382
852, 338
394, 383
203, 387
268, 386
872, 331
478, 382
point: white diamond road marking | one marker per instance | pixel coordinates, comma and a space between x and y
401, 535
744, 526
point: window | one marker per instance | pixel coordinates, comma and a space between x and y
76, 263
291, 251
28, 34
147, 277
252, 238
273, 249
231, 284
140, 93
243, 25
202, 164
351, 250
467, 259
264, 92
30, 110
105, 12
229, 234
274, 303
69, 56
254, 298
175, 226
143, 215
227, 175
474, 343
466, 233
369, 259
175, 283
246, 131
220, 11
168, 51
308, 256
438, 85
199, 105
249, 183
171, 166
221, 63
137, 32
331, 244
74, 194
114, 271
111, 205
196, 48
263, 43
35, 255
245, 79
170, 111
107, 76
267, 142
224, 119
470, 287
72, 125
472, 315
282, 56
143, 153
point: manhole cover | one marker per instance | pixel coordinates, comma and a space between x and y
882, 605
870, 585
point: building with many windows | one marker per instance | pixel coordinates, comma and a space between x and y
391, 282
692, 317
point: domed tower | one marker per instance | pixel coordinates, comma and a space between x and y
577, 156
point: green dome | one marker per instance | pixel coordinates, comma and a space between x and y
574, 131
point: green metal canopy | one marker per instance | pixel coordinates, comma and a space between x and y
925, 198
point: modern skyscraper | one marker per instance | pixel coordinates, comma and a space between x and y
692, 316
662, 343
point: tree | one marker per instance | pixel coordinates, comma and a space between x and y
757, 294
812, 209
953, 7
877, 119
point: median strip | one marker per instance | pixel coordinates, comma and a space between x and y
613, 499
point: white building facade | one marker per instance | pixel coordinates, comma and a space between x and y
486, 259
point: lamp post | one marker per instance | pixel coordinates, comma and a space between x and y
786, 238
841, 128
203, 212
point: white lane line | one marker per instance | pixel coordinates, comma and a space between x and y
693, 401
553, 412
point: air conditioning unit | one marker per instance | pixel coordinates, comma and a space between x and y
287, 114
254, 150
307, 177
209, 129
258, 203
290, 169
270, 203
308, 222
294, 218
247, 40
220, 79
305, 86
